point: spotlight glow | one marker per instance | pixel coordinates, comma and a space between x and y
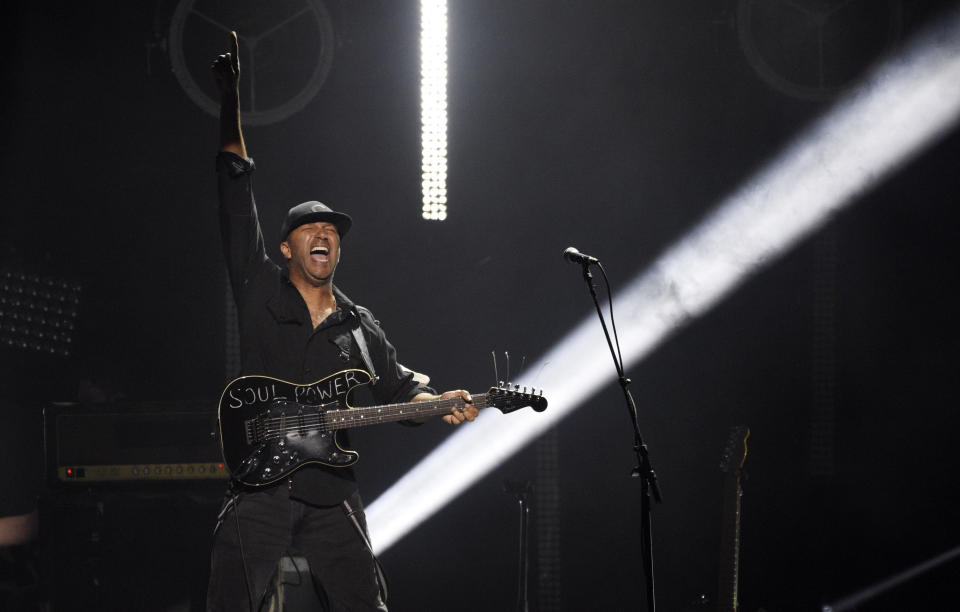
433, 107
872, 592
901, 108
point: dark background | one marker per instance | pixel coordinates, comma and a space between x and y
610, 125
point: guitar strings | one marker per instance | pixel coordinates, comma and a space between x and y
272, 427
275, 426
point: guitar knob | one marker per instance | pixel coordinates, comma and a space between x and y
276, 458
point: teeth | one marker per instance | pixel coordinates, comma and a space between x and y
318, 250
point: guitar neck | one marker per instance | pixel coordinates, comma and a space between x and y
387, 413
728, 596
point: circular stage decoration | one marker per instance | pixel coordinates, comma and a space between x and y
815, 49
286, 49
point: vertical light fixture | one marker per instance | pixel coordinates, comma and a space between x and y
433, 107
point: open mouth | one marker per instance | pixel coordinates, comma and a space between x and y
320, 254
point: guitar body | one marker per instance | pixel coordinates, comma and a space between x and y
270, 427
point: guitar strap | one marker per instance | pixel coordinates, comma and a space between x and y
358, 337
364, 353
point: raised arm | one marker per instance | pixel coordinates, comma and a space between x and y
226, 68
243, 243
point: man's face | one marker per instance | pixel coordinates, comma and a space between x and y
312, 251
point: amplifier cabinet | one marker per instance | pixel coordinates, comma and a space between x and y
132, 442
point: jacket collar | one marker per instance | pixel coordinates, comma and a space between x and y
287, 305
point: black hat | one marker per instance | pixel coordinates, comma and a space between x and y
311, 211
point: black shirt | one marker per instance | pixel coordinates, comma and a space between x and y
277, 337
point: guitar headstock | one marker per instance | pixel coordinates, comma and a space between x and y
735, 451
507, 400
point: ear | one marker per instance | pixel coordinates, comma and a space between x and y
285, 249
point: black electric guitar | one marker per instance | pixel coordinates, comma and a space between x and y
270, 427
731, 464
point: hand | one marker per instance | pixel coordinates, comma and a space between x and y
226, 68
459, 415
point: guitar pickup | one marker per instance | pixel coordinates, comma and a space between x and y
251, 431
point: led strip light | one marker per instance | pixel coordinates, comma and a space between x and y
433, 107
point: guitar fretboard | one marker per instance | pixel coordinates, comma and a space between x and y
373, 415
309, 418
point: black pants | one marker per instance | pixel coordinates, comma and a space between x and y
273, 525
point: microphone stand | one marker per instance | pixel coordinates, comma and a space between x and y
643, 470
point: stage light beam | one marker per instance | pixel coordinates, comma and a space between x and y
900, 109
856, 600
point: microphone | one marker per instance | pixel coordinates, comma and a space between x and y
572, 255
